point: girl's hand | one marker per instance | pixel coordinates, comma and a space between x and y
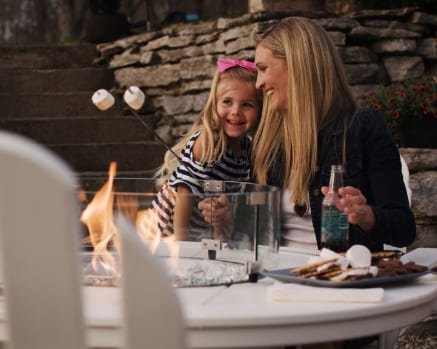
354, 204
217, 212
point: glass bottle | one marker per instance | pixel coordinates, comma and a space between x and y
335, 226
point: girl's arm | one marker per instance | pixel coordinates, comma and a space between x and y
182, 213
219, 213
184, 200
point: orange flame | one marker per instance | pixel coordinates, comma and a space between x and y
98, 216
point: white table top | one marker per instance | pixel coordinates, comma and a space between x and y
241, 316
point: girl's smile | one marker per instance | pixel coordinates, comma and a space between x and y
237, 108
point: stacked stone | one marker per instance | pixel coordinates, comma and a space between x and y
174, 66
422, 164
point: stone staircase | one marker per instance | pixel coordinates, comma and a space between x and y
45, 94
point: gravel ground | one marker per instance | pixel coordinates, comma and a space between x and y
422, 335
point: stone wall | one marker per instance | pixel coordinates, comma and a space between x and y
174, 67
422, 164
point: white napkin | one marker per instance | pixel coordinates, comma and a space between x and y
423, 255
279, 292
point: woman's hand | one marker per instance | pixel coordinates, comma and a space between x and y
217, 212
354, 204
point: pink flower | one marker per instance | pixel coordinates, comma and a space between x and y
403, 100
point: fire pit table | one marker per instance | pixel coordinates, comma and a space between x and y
240, 316
238, 313
235, 314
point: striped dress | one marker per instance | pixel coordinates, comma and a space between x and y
190, 174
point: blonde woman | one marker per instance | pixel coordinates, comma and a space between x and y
217, 147
310, 122
311, 113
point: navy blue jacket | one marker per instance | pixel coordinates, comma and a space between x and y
373, 166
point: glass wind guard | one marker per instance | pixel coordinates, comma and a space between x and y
242, 239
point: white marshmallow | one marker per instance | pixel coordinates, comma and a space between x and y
359, 256
351, 272
134, 97
327, 254
373, 270
102, 99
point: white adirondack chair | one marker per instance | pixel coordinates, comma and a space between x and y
39, 250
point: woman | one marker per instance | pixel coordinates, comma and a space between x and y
310, 122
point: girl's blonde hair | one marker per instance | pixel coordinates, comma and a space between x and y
214, 141
318, 94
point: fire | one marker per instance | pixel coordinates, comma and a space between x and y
98, 216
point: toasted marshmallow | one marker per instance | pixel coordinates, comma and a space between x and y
102, 99
134, 97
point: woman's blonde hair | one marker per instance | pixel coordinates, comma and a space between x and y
318, 94
214, 141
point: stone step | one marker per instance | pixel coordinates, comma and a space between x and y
97, 129
47, 56
56, 105
55, 80
133, 157
45, 94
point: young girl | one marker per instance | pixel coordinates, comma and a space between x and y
217, 147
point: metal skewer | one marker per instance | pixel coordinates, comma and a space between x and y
140, 119
134, 98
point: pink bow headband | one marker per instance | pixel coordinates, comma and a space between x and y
225, 64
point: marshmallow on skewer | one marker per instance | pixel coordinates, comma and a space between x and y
134, 97
102, 99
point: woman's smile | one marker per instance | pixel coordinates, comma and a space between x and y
272, 77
